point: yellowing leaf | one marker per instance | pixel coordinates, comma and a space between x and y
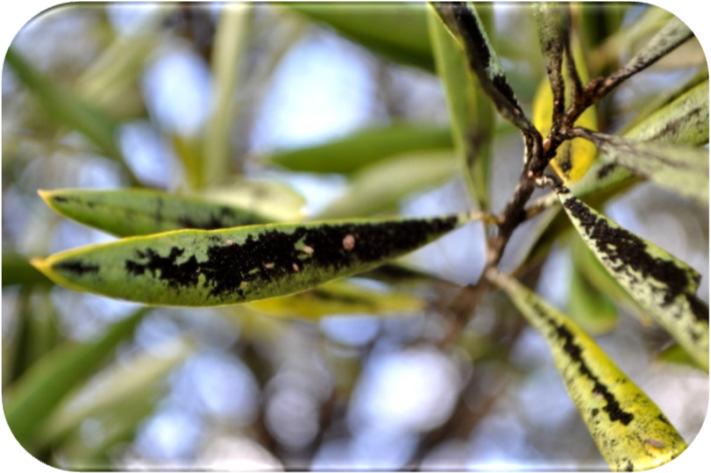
339, 297
574, 157
660, 283
630, 431
234, 265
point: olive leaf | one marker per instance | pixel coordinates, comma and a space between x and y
109, 390
669, 37
396, 31
688, 106
684, 170
272, 199
466, 25
68, 109
339, 297
17, 270
128, 212
630, 431
219, 267
383, 185
36, 394
684, 119
593, 310
363, 148
660, 283
230, 44
471, 113
574, 157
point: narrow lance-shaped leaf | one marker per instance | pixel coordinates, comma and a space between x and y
574, 157
684, 119
466, 25
230, 40
673, 34
593, 310
683, 170
660, 283
339, 297
129, 212
275, 200
363, 148
627, 38
470, 111
606, 179
16, 269
396, 31
219, 267
383, 185
129, 379
598, 277
32, 398
111, 79
630, 431
656, 101
66, 108
677, 355
118, 428
553, 24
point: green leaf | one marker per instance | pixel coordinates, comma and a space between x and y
677, 355
669, 37
66, 108
628, 38
396, 31
219, 267
630, 431
605, 179
17, 270
470, 112
128, 212
111, 81
685, 119
110, 430
338, 298
680, 169
381, 186
590, 308
597, 276
660, 283
37, 331
35, 395
131, 379
465, 24
273, 199
230, 39
363, 148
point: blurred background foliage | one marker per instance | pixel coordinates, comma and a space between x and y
300, 111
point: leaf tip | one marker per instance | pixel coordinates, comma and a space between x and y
49, 197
